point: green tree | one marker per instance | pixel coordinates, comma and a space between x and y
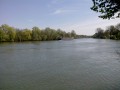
73, 34
36, 34
107, 34
2, 34
99, 33
18, 35
107, 8
9, 32
118, 35
112, 32
68, 35
26, 35
51, 33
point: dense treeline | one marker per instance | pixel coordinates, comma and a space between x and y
8, 33
83, 36
111, 32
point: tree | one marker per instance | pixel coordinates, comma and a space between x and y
18, 35
9, 32
111, 32
118, 26
36, 34
2, 34
73, 34
99, 33
107, 34
50, 33
68, 35
108, 8
26, 35
61, 33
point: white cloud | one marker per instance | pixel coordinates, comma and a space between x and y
58, 12
62, 11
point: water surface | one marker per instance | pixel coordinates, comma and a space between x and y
82, 64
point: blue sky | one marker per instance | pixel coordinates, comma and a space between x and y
64, 14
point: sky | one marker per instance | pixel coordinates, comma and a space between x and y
64, 14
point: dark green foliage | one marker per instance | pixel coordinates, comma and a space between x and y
107, 8
8, 33
112, 32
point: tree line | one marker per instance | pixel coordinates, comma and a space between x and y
111, 32
11, 34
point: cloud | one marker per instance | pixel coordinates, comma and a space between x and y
61, 11
58, 12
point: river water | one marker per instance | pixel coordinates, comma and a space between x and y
81, 64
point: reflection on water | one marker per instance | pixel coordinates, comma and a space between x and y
83, 64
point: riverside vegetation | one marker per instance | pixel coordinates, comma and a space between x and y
11, 34
111, 32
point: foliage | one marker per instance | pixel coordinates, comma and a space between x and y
8, 33
112, 32
36, 34
26, 35
107, 8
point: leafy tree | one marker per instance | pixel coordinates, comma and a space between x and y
107, 34
112, 32
107, 8
99, 33
2, 34
18, 35
61, 33
51, 34
68, 35
26, 35
36, 34
118, 26
118, 36
73, 34
9, 32
54, 35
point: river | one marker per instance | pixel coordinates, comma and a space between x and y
80, 64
